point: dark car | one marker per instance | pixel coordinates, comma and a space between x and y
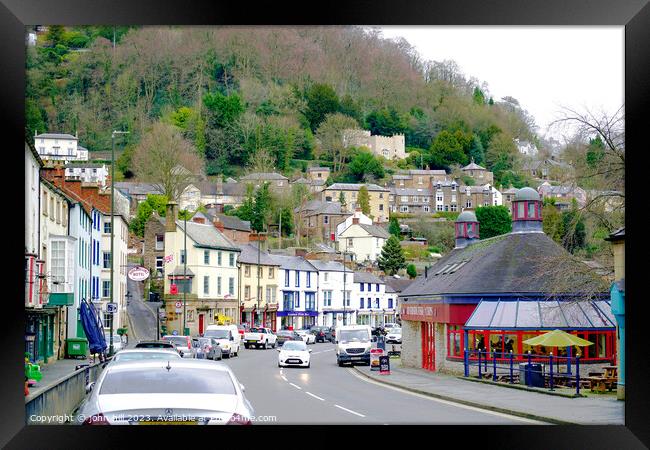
323, 333
207, 348
155, 344
287, 335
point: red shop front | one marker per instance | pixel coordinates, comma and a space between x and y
428, 315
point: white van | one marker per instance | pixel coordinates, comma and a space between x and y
353, 343
228, 337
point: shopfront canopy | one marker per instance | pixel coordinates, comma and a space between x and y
527, 314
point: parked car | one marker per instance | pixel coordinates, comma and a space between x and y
179, 392
388, 325
260, 337
118, 343
306, 336
228, 337
287, 335
183, 345
207, 348
146, 354
156, 344
394, 336
322, 334
294, 353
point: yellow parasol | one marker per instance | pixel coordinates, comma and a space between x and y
557, 338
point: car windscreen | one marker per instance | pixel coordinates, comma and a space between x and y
294, 345
154, 345
177, 380
218, 334
395, 331
145, 356
257, 330
284, 333
177, 341
354, 336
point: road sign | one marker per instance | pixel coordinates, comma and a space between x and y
138, 273
175, 332
111, 308
179, 304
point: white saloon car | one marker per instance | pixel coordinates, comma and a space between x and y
178, 392
294, 353
307, 336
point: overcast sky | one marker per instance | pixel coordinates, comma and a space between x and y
542, 67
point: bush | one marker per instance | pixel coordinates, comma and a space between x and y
411, 271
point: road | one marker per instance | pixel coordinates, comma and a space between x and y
142, 316
328, 394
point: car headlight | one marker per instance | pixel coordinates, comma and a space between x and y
226, 346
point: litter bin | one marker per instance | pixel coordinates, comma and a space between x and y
533, 378
76, 347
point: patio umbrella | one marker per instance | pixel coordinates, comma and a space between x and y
557, 338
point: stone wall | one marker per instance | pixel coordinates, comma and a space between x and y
411, 344
151, 229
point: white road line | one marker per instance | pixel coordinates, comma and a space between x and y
446, 402
284, 378
315, 396
296, 386
350, 411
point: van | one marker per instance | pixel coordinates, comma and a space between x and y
228, 337
353, 343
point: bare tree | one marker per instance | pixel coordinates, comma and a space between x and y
330, 137
262, 161
166, 160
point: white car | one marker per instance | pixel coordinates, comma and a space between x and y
118, 344
260, 337
174, 392
294, 353
394, 336
389, 325
307, 336
228, 341
146, 354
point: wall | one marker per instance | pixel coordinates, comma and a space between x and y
411, 344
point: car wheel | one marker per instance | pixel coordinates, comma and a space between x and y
340, 363
279, 365
246, 346
309, 364
274, 344
266, 345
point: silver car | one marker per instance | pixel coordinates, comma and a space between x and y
146, 354
178, 392
207, 348
183, 345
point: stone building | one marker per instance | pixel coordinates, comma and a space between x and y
480, 174
418, 179
442, 196
389, 147
259, 276
378, 198
154, 247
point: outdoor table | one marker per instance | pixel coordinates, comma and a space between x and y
611, 371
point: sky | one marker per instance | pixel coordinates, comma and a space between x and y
544, 68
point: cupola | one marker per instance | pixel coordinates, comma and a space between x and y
527, 211
466, 229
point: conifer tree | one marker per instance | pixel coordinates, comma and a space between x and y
392, 257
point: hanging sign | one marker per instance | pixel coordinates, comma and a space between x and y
138, 273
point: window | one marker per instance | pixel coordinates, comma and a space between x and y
327, 298
439, 198
377, 303
326, 220
361, 303
260, 271
218, 258
361, 287
52, 208
308, 279
206, 285
231, 258
159, 265
218, 285
426, 209
44, 203
106, 288
286, 278
107, 227
531, 209
381, 207
376, 287
247, 271
468, 204
107, 260
287, 301
453, 207
390, 303
206, 256
347, 298
231, 286
182, 258
350, 242
297, 278
419, 180
369, 287
381, 195
325, 276
247, 292
369, 303
310, 301
404, 208
271, 272
454, 334
297, 299
404, 198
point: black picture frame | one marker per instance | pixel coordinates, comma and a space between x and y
634, 15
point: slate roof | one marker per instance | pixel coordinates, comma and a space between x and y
375, 230
356, 187
234, 189
135, 188
231, 222
426, 172
55, 136
410, 191
367, 277
328, 266
397, 284
264, 176
249, 256
473, 166
178, 270
327, 208
206, 187
509, 263
616, 235
317, 169
293, 263
206, 235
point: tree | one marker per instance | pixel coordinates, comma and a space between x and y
330, 135
262, 208
365, 164
393, 227
223, 109
574, 230
392, 257
153, 203
321, 101
493, 221
246, 210
553, 224
364, 201
447, 149
55, 35
411, 271
342, 200
351, 108
166, 160
386, 122
478, 96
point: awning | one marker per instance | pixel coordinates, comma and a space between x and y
523, 314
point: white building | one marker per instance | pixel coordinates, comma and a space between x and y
33, 163
298, 288
120, 268
81, 229
363, 241
370, 300
59, 147
526, 147
334, 283
362, 219
88, 173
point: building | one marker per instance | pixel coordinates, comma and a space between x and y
363, 241
275, 180
232, 227
190, 198
87, 172
508, 195
357, 216
563, 195
506, 288
390, 147
547, 169
259, 275
394, 287
418, 178
59, 147
318, 173
526, 148
480, 174
617, 295
207, 279
321, 219
378, 198
154, 247
298, 288
369, 299
136, 192
332, 279
442, 196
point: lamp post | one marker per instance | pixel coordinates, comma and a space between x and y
344, 280
184, 269
113, 134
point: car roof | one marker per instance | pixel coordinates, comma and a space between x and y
153, 342
149, 350
179, 363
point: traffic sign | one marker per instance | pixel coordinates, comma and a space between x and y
179, 304
175, 332
179, 310
111, 308
138, 273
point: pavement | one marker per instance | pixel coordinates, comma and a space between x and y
54, 372
522, 403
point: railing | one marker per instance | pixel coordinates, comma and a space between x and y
538, 370
55, 404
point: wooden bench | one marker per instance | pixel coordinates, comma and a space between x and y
599, 384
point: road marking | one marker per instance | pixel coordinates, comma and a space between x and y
315, 396
324, 351
284, 378
350, 411
296, 386
446, 402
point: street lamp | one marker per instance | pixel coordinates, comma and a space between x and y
115, 133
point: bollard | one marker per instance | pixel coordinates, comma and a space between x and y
577, 374
466, 360
485, 357
511, 382
550, 358
494, 366
529, 379
479, 363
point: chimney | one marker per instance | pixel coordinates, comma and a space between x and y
301, 252
466, 227
218, 224
171, 216
198, 220
355, 221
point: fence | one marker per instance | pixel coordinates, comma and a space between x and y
538, 370
56, 404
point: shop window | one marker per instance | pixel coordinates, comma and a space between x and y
454, 342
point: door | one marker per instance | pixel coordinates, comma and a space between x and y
428, 346
201, 322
